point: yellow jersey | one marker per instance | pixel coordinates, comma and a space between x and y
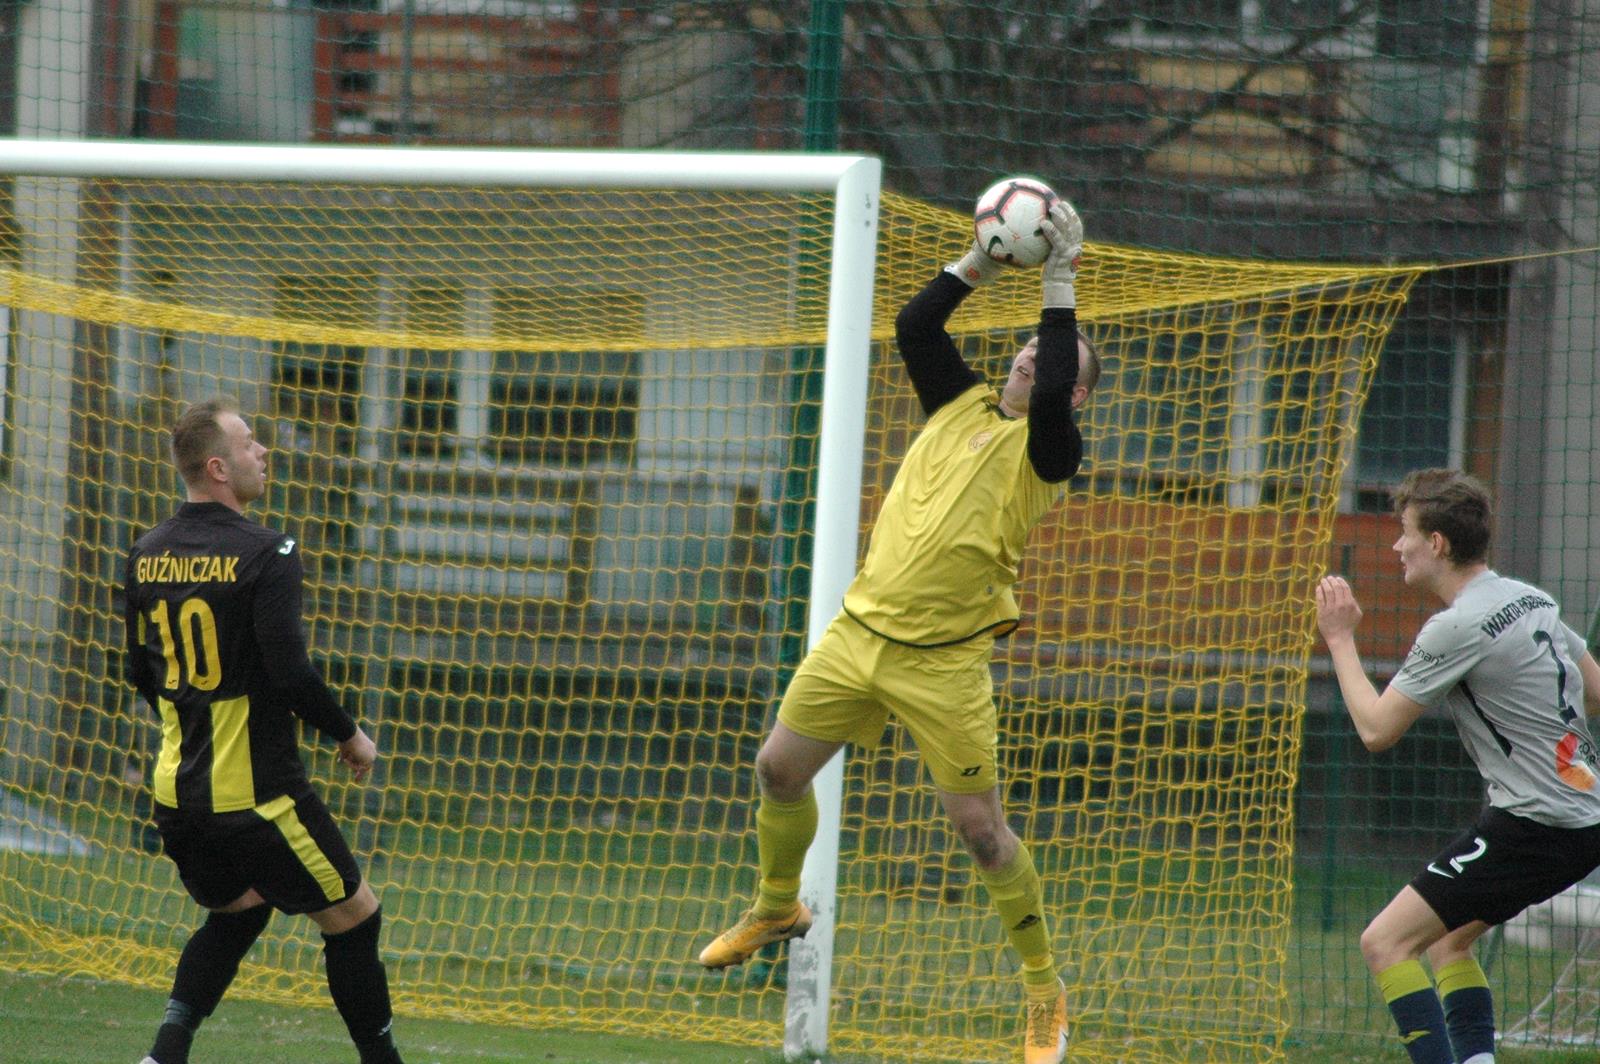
943, 556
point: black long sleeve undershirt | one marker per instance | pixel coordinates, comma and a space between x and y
938, 372
1055, 446
282, 641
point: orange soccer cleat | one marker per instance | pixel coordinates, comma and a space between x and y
739, 942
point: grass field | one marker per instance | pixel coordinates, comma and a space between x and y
501, 922
74, 1021
1334, 1009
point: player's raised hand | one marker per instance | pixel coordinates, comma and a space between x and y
1064, 230
359, 752
1338, 612
975, 268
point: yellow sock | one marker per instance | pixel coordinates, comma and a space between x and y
1018, 899
1461, 975
784, 831
1403, 979
1417, 1015
1468, 1010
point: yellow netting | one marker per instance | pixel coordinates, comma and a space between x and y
538, 447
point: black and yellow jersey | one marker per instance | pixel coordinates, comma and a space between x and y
215, 645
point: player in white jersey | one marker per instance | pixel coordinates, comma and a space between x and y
1519, 683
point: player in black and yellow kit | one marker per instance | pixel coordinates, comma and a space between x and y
921, 617
215, 646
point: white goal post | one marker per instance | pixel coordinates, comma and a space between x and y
853, 181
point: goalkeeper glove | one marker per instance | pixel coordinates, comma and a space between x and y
975, 268
1064, 230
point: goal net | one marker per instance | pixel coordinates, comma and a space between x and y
553, 457
1565, 930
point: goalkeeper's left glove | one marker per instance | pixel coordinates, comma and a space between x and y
975, 268
1064, 230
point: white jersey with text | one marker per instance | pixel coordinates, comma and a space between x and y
1504, 664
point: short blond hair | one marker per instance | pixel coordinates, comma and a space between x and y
197, 435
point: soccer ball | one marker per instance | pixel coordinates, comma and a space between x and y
1007, 219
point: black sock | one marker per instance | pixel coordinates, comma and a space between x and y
360, 989
209, 962
176, 1034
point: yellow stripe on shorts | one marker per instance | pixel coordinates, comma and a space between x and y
286, 819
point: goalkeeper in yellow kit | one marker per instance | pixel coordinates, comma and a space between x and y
921, 617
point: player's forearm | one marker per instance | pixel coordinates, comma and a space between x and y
1360, 696
938, 372
301, 688
296, 680
1055, 446
1055, 370
298, 684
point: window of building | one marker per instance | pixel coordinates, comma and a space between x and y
1195, 17
1230, 18
563, 407
1419, 31
430, 412
316, 386
1415, 412
357, 48
1427, 31
1244, 415
1171, 410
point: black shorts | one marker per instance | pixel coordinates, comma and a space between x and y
289, 850
1503, 864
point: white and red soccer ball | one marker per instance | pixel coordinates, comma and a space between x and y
1006, 221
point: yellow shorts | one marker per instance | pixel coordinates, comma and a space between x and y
853, 679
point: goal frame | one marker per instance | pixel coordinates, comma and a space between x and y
855, 184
